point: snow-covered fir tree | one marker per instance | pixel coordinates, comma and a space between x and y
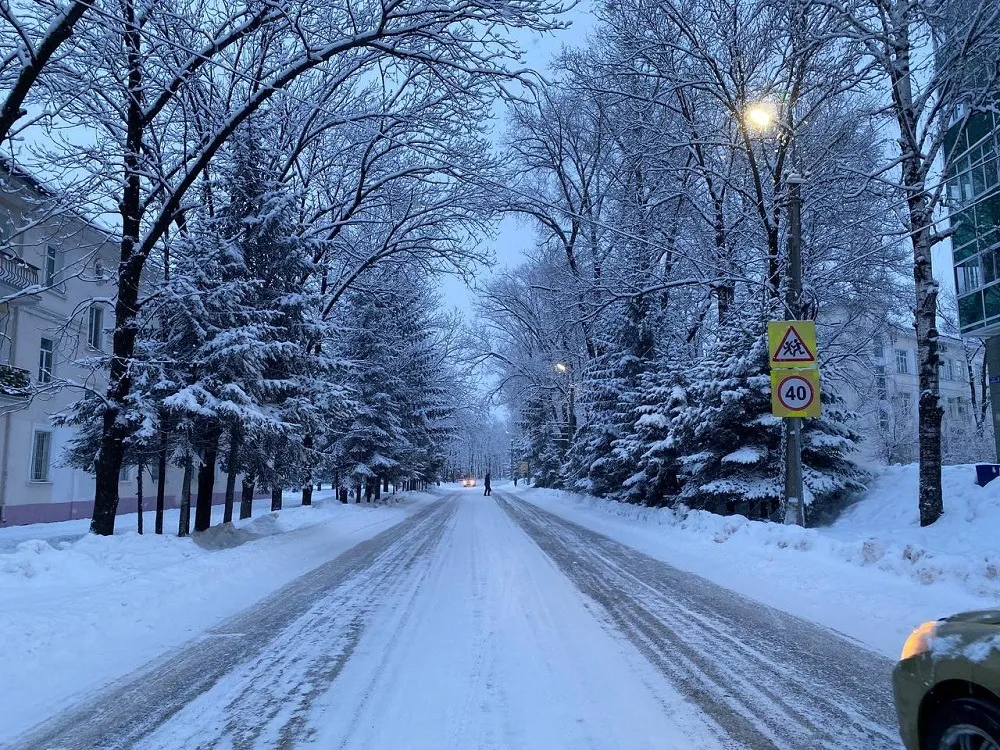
730, 446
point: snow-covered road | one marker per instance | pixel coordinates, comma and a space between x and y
488, 623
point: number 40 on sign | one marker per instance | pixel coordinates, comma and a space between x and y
795, 393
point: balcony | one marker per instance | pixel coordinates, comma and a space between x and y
16, 274
14, 382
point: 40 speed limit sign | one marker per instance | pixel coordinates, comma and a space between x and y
795, 393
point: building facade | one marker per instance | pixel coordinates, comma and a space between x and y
973, 183
56, 322
881, 387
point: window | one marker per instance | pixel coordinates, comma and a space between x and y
45, 361
883, 420
902, 361
125, 475
95, 329
40, 449
154, 471
7, 235
877, 347
956, 408
957, 371
968, 276
51, 265
905, 404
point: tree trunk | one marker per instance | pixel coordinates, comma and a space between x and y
276, 497
114, 432
914, 170
232, 466
307, 486
385, 485
206, 479
929, 412
108, 468
246, 498
138, 497
378, 490
184, 525
161, 479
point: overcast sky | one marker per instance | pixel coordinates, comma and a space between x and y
514, 235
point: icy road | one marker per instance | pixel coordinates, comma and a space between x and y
488, 623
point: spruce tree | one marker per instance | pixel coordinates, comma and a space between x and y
731, 447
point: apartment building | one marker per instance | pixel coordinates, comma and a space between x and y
54, 325
974, 204
882, 389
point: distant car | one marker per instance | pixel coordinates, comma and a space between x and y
469, 482
947, 684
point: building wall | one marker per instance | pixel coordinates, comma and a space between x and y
974, 203
882, 389
60, 313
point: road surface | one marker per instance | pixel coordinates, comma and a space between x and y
489, 623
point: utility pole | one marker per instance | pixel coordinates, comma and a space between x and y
794, 501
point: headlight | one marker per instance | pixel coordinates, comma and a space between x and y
919, 641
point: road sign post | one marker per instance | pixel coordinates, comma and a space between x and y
795, 395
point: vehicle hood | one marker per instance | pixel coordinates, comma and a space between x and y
982, 616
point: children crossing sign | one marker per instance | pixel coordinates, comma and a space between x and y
792, 344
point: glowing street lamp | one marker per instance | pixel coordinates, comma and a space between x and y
560, 367
759, 116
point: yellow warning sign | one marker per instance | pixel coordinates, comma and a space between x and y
791, 344
795, 393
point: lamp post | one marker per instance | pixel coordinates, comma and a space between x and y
794, 500
760, 117
564, 369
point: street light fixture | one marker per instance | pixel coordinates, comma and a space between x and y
759, 116
560, 367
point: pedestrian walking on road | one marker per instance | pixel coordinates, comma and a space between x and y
487, 491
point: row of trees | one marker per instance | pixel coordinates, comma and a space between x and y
285, 180
630, 344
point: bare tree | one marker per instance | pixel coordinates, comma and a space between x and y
934, 65
167, 101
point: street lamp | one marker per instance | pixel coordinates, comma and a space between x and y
761, 117
560, 368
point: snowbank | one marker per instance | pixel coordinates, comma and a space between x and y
77, 612
872, 575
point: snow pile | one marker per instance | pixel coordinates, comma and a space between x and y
873, 574
88, 561
91, 609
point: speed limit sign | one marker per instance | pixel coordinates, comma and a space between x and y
795, 393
